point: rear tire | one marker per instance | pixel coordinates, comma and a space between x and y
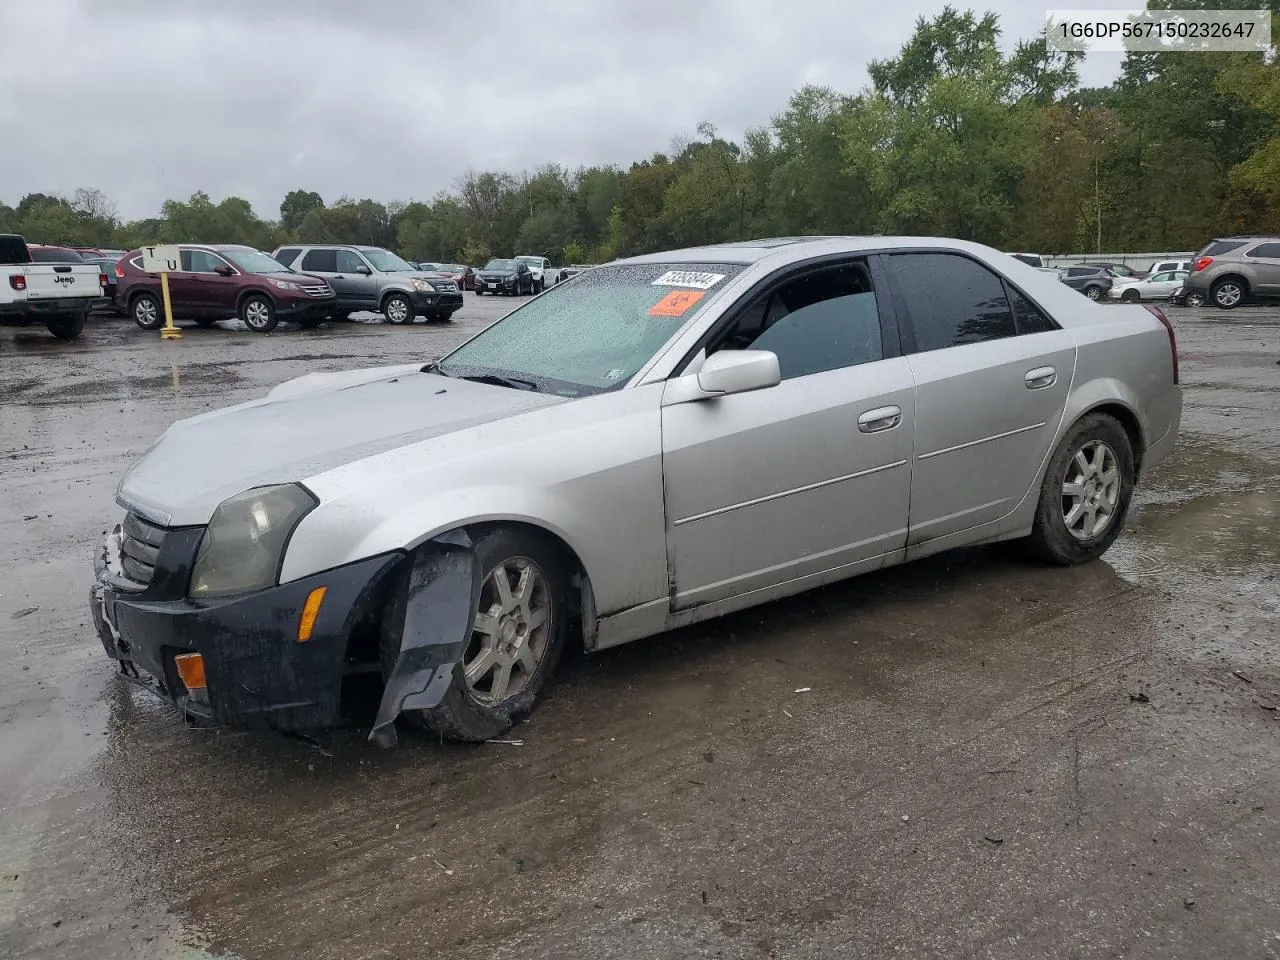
1093, 293
1085, 495
473, 711
147, 311
1130, 296
1228, 293
1195, 300
258, 313
67, 326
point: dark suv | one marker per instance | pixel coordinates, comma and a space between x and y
220, 282
1093, 282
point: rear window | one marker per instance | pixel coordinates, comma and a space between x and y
1218, 247
287, 255
55, 256
13, 250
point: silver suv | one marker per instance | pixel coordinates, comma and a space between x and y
1231, 270
371, 278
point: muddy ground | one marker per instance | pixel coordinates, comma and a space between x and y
992, 759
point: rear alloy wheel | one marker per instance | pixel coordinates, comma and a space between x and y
258, 313
397, 309
1085, 494
147, 312
1130, 296
1093, 293
67, 326
517, 637
1227, 294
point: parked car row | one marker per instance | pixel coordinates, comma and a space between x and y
42, 285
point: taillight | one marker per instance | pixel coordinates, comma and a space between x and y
102, 279
1173, 341
17, 281
1202, 263
119, 271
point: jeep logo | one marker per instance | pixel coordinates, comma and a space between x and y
61, 279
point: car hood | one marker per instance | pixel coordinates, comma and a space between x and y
302, 428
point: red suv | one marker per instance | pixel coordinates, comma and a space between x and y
219, 282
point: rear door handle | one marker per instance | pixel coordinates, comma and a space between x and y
881, 418
1041, 377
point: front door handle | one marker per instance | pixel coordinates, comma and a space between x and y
881, 418
1041, 377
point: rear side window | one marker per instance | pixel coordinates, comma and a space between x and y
322, 261
1027, 316
951, 300
286, 255
1218, 247
1269, 250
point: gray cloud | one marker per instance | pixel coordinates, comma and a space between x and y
394, 99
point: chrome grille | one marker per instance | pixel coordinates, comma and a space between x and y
322, 290
140, 548
444, 286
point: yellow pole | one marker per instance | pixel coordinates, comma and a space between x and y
168, 331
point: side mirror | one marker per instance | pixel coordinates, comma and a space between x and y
363, 269
737, 371
223, 270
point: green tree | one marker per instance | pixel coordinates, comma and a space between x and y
296, 205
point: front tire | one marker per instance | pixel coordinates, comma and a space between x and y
517, 638
68, 326
397, 309
1227, 294
258, 313
1085, 496
147, 312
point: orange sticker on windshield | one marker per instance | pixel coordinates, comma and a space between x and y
676, 304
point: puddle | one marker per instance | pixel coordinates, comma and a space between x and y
1209, 514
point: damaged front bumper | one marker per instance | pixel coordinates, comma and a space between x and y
257, 673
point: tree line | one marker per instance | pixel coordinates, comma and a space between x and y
952, 137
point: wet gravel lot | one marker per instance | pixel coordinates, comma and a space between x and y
991, 758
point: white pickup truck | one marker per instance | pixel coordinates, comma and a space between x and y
544, 274
58, 295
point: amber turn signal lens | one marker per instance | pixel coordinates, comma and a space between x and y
191, 670
310, 610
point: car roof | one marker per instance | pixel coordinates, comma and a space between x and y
783, 250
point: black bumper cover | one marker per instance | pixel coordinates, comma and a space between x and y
259, 676
423, 301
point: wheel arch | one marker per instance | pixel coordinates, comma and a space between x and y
251, 292
390, 292
1235, 275
1123, 414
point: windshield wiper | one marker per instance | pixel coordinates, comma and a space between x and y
500, 381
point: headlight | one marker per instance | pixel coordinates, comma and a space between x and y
286, 285
244, 543
421, 285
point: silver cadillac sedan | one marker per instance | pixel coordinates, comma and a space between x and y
655, 442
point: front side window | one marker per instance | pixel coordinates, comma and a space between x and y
823, 320
951, 300
384, 261
255, 261
348, 261
594, 334
200, 261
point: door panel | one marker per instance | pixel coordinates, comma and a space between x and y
775, 484
985, 416
358, 289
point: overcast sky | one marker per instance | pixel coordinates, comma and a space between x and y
394, 99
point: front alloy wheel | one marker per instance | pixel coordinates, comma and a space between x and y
511, 632
258, 314
516, 638
1227, 294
